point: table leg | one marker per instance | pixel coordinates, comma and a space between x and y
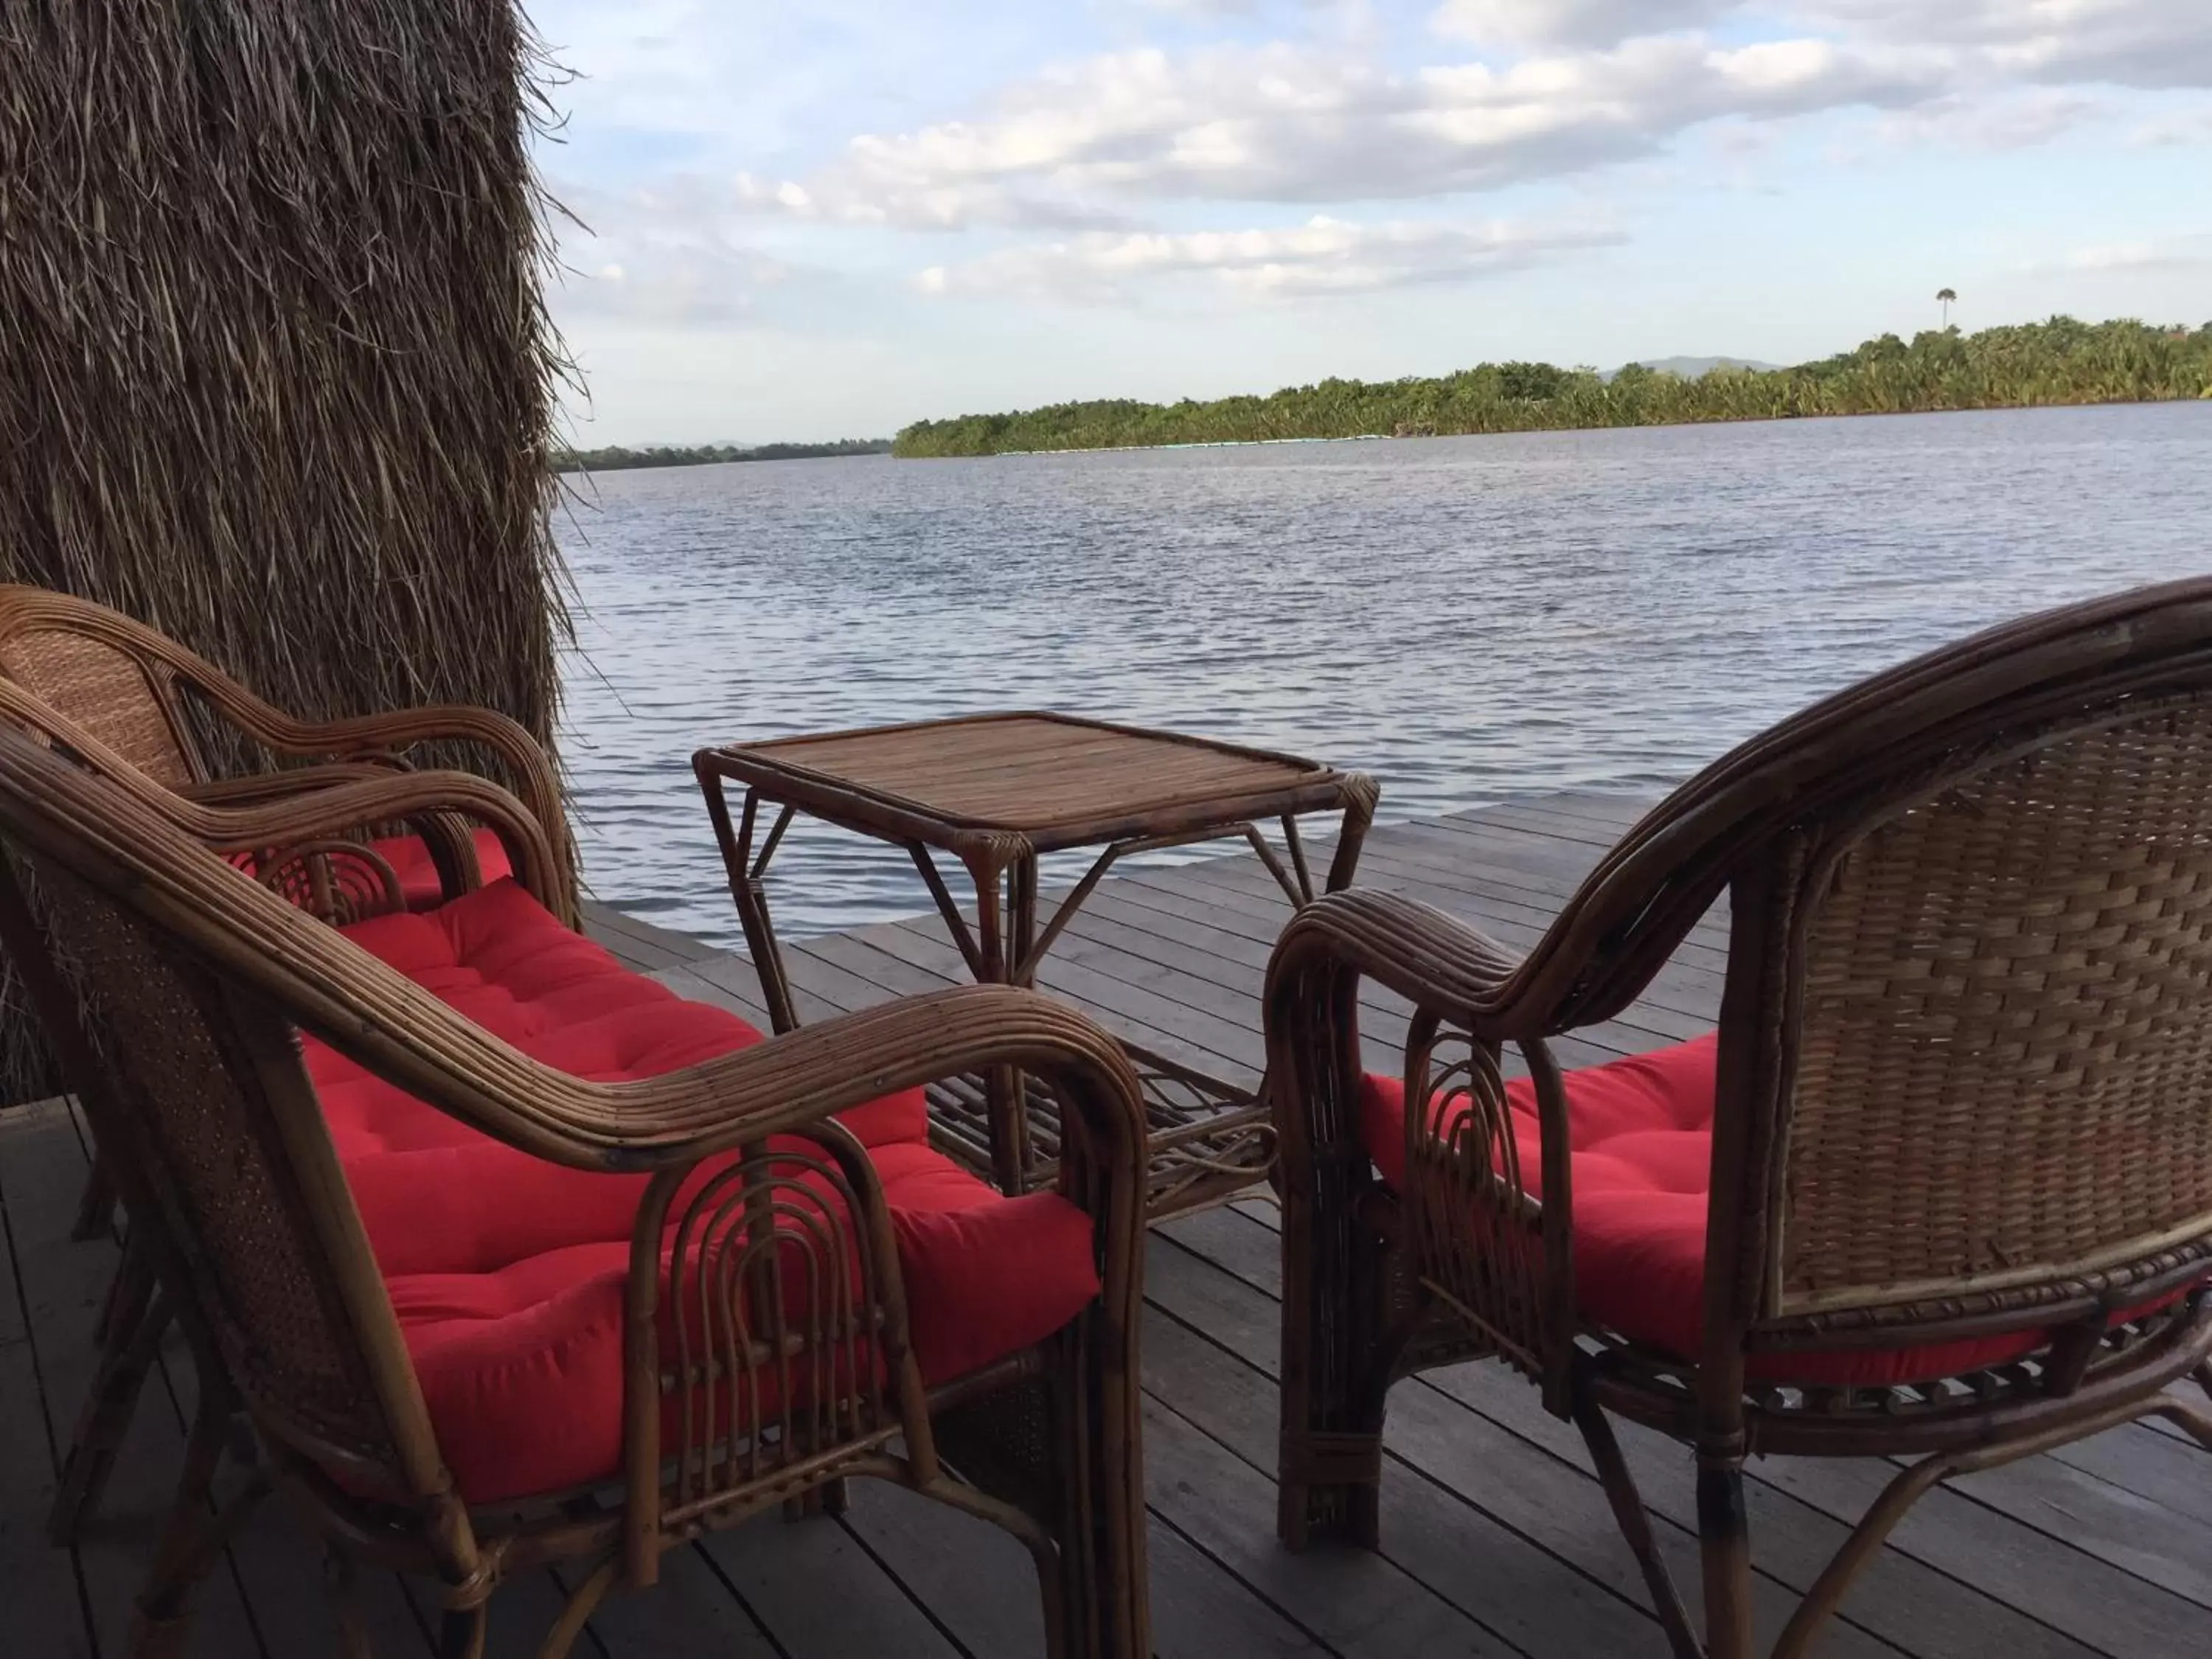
1022, 894
1003, 939
1358, 814
751, 896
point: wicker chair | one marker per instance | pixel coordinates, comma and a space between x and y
1940, 1188
307, 834
162, 710
767, 1348
137, 706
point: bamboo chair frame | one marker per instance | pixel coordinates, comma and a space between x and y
113, 907
140, 708
1964, 1089
156, 705
306, 842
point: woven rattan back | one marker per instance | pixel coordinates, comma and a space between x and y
1965, 1065
1999, 1070
227, 1149
169, 979
77, 656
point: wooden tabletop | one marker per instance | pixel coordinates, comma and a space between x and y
1054, 779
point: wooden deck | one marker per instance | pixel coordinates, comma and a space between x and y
1497, 1541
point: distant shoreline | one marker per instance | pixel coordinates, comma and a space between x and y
617, 459
2039, 365
1534, 431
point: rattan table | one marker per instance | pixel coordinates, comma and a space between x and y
995, 792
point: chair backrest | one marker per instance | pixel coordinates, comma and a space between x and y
1992, 1032
1965, 1069
188, 978
113, 677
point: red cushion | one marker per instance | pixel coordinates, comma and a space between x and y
520, 1360
507, 1271
1641, 1130
501, 958
408, 856
410, 859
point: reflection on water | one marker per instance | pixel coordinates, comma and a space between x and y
1469, 618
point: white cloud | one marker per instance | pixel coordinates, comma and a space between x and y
2135, 43
1324, 256
1086, 144
2000, 122
1572, 22
1102, 163
665, 254
2170, 253
2182, 127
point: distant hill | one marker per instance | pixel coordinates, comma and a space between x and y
1691, 368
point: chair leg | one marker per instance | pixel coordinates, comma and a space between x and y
194, 1537
95, 1206
830, 1499
1336, 1379
2188, 1419
1725, 1544
128, 1292
1635, 1524
131, 1349
1081, 1515
339, 1583
1100, 1608
577, 1609
461, 1635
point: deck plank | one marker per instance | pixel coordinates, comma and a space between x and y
63, 1283
1901, 1598
44, 1606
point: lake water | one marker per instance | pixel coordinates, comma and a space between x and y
1469, 618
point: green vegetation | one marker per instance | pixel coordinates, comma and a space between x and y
2060, 361
616, 459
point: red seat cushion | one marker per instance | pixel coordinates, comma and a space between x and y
507, 1272
410, 859
1641, 1130
520, 1360
408, 856
499, 958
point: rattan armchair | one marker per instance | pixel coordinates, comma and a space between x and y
155, 706
138, 707
769, 1345
310, 843
1956, 1126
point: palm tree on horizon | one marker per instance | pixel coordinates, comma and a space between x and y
1947, 297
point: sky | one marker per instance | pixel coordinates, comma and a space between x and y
829, 218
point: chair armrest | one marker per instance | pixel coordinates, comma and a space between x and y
257, 787
1468, 1222
374, 796
704, 1313
549, 872
788, 1081
1435, 960
531, 769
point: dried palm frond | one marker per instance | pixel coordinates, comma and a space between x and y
275, 376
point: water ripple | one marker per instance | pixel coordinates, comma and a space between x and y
1470, 619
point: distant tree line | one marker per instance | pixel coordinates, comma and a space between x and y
615, 459
2059, 362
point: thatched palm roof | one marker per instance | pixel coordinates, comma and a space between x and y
275, 375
